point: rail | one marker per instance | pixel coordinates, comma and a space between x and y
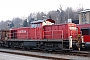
34, 53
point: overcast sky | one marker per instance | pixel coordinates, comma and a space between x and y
21, 8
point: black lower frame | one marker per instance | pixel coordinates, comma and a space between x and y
42, 45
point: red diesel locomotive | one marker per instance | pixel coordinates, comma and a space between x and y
45, 35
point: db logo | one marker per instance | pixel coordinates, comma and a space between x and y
22, 31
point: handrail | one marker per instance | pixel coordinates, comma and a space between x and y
61, 35
15, 34
75, 35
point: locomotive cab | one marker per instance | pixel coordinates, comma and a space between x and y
37, 28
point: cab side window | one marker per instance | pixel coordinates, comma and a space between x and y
85, 31
33, 25
38, 25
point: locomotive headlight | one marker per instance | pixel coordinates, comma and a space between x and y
72, 28
83, 45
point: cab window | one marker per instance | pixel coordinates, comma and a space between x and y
33, 25
85, 31
38, 25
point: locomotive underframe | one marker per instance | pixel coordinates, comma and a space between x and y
50, 45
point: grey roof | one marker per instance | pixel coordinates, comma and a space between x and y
38, 21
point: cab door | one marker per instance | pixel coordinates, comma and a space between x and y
38, 31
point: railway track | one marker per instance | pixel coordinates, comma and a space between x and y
32, 55
72, 53
81, 53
